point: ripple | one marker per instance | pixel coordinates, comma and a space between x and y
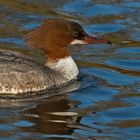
125, 64
114, 77
107, 27
16, 41
130, 50
23, 123
92, 9
64, 113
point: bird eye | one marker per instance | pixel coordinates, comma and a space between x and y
75, 34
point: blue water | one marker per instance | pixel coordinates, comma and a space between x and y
104, 103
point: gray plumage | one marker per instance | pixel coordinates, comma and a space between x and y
14, 77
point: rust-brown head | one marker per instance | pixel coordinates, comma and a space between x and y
55, 35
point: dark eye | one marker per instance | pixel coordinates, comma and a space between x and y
75, 34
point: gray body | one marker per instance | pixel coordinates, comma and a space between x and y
19, 74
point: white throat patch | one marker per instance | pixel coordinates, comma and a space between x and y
76, 41
66, 66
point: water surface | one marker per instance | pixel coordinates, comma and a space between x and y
104, 103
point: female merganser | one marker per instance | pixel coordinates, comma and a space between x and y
20, 74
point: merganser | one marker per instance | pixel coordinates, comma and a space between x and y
20, 74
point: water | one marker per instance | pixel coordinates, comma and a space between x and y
106, 105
